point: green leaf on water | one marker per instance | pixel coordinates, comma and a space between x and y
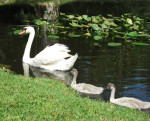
86, 17
103, 26
95, 26
53, 36
37, 21
113, 44
94, 20
74, 35
113, 24
107, 22
96, 44
139, 43
64, 32
70, 16
88, 34
97, 37
16, 32
129, 21
134, 33
27, 21
125, 87
62, 14
75, 24
79, 18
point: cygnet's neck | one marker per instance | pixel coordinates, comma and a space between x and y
74, 82
26, 56
112, 96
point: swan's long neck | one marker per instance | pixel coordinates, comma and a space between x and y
112, 96
74, 82
26, 56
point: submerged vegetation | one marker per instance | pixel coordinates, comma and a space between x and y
112, 30
25, 98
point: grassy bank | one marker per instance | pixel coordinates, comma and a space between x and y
24, 98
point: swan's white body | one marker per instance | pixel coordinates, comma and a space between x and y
127, 101
51, 58
84, 88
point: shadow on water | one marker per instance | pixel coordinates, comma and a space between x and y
127, 67
104, 7
17, 13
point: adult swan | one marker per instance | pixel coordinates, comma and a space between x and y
52, 58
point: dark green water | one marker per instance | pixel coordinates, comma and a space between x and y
127, 67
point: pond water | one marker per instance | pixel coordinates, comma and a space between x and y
127, 67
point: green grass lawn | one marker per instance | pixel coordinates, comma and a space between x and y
24, 98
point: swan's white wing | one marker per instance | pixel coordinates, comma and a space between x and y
52, 54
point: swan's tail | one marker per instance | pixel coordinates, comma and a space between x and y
71, 61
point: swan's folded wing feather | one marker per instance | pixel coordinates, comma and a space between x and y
52, 54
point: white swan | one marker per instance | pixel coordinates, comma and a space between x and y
51, 58
127, 101
84, 88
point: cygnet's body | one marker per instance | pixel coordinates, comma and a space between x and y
84, 88
127, 101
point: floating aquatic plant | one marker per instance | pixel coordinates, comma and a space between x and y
99, 28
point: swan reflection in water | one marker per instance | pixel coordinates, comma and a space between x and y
64, 76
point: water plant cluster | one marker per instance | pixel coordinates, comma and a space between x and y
100, 29
106, 29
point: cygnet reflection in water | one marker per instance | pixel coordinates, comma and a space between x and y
83, 87
64, 76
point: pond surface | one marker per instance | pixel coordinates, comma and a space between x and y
127, 67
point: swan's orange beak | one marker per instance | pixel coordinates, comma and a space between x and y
23, 31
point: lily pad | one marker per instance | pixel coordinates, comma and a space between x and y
16, 32
125, 87
97, 37
62, 13
75, 24
129, 21
86, 18
113, 24
74, 35
94, 20
70, 16
64, 32
79, 18
113, 44
107, 22
95, 26
38, 22
134, 33
139, 43
88, 34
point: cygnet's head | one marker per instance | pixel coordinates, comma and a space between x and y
74, 71
28, 29
110, 86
